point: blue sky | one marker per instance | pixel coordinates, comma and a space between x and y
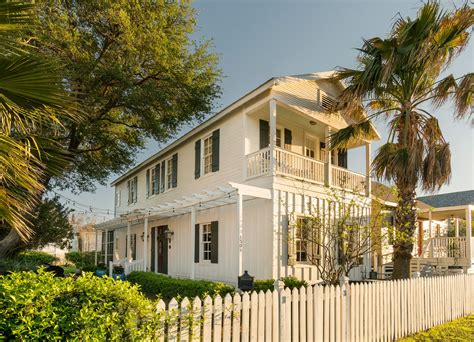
260, 39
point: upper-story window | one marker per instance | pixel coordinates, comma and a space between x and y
163, 176
283, 136
132, 186
118, 197
207, 154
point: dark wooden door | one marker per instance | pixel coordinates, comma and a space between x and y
159, 250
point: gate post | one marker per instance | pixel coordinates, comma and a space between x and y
279, 286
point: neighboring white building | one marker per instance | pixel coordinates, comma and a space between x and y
218, 200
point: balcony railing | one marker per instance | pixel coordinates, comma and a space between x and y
445, 247
300, 167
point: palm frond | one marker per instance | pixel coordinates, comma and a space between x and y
352, 134
463, 97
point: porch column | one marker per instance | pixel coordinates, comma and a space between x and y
456, 227
192, 236
129, 245
106, 248
96, 247
272, 136
368, 162
469, 234
145, 243
328, 166
240, 232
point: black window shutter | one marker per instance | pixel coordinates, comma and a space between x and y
322, 145
156, 189
129, 199
147, 182
175, 170
342, 158
215, 150
126, 246
214, 242
197, 159
163, 174
288, 137
135, 185
264, 134
196, 242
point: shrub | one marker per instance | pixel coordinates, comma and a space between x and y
41, 307
289, 282
166, 287
83, 260
25, 261
263, 285
293, 282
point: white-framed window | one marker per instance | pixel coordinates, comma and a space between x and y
153, 181
206, 241
169, 173
132, 186
118, 198
278, 137
207, 154
307, 235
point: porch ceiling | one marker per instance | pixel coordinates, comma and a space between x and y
445, 213
219, 196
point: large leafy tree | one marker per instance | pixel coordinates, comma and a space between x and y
32, 100
135, 72
399, 79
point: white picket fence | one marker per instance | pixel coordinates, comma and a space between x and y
378, 311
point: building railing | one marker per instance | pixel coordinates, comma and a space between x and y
128, 265
300, 167
345, 179
445, 247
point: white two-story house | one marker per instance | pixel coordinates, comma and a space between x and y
218, 200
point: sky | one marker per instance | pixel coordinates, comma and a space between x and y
259, 39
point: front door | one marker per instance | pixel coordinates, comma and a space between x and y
159, 250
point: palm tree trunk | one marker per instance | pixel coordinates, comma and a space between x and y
9, 243
405, 224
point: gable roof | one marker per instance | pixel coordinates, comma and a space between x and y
451, 199
272, 82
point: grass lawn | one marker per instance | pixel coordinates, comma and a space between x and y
461, 329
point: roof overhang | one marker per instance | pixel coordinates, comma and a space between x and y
219, 196
444, 213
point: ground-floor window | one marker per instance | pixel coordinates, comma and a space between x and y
206, 241
109, 240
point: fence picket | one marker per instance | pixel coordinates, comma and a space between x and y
309, 314
253, 316
217, 321
161, 310
288, 320
318, 310
196, 323
295, 315
236, 316
227, 318
261, 316
275, 317
184, 320
268, 316
302, 314
245, 317
207, 319
173, 315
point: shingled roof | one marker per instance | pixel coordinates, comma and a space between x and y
451, 199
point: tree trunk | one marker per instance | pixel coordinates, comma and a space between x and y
405, 224
9, 243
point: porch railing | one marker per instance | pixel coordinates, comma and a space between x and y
445, 247
298, 166
128, 266
345, 179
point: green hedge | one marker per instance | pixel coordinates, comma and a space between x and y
25, 261
166, 287
267, 284
83, 260
40, 307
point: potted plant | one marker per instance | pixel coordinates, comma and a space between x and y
118, 272
101, 270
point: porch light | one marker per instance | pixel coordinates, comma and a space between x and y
168, 234
143, 237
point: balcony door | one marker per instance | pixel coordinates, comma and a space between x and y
311, 147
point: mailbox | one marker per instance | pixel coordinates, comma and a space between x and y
246, 282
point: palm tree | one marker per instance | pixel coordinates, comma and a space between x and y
31, 99
398, 79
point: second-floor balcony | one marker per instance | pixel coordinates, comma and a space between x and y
300, 167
